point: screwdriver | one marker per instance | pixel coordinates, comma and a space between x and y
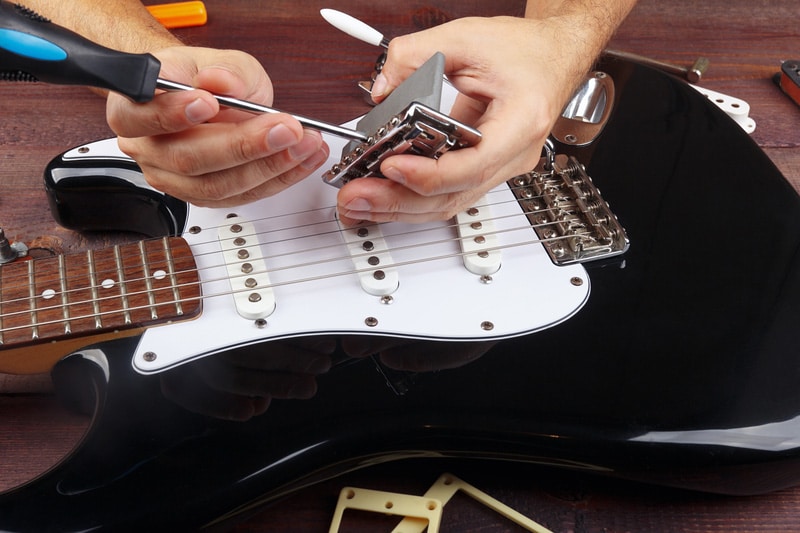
34, 49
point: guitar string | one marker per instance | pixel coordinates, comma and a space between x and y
337, 245
232, 292
136, 256
24, 279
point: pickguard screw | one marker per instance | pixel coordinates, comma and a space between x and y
194, 230
83, 150
261, 323
576, 281
371, 321
149, 356
487, 326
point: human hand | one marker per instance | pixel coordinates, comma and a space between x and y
411, 355
190, 148
241, 384
514, 78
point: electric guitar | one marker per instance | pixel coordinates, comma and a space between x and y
678, 367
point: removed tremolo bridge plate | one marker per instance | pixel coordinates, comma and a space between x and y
419, 130
407, 121
565, 208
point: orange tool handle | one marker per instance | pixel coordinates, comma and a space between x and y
180, 14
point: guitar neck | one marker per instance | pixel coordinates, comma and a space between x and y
97, 293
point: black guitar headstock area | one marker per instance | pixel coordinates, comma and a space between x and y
680, 370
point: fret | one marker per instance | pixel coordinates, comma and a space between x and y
32, 300
97, 292
172, 277
62, 278
123, 289
98, 322
148, 281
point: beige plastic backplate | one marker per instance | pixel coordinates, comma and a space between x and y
426, 511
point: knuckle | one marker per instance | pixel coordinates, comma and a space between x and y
211, 189
183, 162
243, 149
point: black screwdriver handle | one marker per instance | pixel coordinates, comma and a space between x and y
34, 49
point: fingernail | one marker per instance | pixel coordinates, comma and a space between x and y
308, 146
319, 365
358, 204
198, 111
379, 86
281, 137
394, 174
315, 160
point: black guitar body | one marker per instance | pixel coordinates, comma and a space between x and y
683, 369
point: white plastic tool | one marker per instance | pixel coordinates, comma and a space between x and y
354, 27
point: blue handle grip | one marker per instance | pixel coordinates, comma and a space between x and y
32, 47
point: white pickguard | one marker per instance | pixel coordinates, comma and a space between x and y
316, 290
436, 299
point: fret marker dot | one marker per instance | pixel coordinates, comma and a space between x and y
159, 274
48, 293
107, 283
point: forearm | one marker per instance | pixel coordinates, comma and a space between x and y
120, 24
581, 29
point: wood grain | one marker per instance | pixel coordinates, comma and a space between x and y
314, 69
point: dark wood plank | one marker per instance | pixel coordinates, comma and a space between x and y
314, 69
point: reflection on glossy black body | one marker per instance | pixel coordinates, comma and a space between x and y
682, 369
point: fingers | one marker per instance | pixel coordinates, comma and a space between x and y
277, 370
186, 391
189, 147
416, 356
228, 163
166, 113
421, 189
499, 96
240, 384
407, 52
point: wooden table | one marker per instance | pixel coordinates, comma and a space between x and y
314, 69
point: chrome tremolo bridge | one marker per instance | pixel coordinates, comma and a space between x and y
567, 212
418, 130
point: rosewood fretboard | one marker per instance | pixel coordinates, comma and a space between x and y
98, 291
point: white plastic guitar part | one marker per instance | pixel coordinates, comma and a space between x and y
737, 109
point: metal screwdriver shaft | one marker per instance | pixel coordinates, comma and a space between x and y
251, 107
